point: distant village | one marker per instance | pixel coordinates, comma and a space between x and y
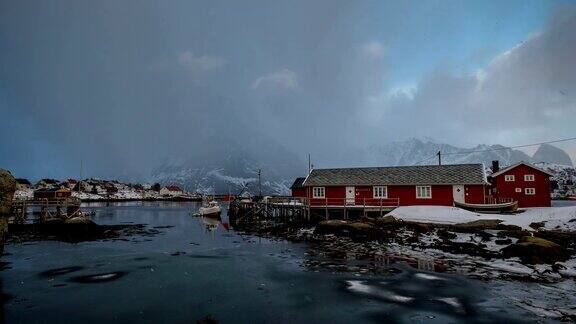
99, 190
562, 186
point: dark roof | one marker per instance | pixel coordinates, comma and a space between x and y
173, 188
23, 181
298, 183
506, 169
400, 175
50, 189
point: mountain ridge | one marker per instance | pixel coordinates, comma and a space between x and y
238, 170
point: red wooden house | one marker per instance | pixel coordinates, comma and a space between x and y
395, 186
298, 189
523, 182
52, 193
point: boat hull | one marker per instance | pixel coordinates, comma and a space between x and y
210, 211
509, 207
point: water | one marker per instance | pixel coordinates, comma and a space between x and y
194, 270
563, 203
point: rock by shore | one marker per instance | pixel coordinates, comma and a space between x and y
7, 189
481, 248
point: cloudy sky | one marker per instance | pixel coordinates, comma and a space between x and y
121, 85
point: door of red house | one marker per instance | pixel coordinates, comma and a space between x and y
350, 195
458, 193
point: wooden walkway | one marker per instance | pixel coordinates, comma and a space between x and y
48, 208
304, 208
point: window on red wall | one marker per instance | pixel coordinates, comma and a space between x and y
423, 192
318, 192
380, 192
530, 191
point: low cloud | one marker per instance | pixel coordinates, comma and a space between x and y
198, 64
283, 79
374, 50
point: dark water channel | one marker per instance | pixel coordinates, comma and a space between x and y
189, 269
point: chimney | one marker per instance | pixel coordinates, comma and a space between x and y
495, 166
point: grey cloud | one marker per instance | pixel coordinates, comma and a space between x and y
527, 93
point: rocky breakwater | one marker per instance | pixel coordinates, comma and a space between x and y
486, 248
7, 189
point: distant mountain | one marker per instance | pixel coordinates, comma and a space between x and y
418, 152
233, 167
551, 154
228, 168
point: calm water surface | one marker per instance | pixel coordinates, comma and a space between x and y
193, 268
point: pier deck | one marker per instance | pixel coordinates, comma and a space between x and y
272, 207
49, 208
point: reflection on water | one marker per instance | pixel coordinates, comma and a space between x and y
195, 268
211, 224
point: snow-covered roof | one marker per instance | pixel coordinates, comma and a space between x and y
506, 169
399, 175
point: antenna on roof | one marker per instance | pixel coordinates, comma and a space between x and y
439, 157
309, 163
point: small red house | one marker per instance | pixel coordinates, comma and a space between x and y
523, 182
52, 193
396, 186
298, 189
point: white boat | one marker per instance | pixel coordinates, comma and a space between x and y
212, 208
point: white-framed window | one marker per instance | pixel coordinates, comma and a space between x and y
528, 177
518, 189
318, 192
423, 192
380, 191
530, 191
509, 178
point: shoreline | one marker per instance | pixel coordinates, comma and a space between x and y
173, 199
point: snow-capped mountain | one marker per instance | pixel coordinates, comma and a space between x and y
419, 152
228, 169
234, 167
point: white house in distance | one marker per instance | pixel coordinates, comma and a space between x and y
173, 191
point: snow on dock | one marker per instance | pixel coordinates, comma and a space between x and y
554, 218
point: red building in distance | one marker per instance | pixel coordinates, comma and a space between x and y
523, 182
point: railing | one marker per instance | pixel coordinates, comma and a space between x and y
356, 202
497, 200
286, 200
334, 202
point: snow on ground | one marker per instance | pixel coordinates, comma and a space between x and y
86, 195
24, 194
559, 218
127, 194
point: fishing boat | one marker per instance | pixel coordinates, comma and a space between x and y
211, 209
508, 207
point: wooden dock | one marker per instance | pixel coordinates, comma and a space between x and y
305, 209
48, 208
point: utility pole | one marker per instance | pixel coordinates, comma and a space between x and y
260, 181
439, 157
80, 180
